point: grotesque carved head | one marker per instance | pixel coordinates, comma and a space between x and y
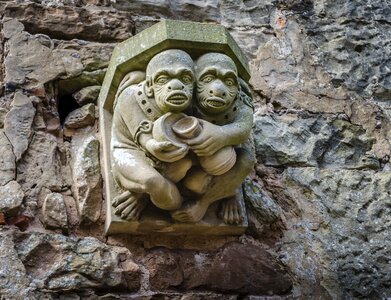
170, 79
217, 82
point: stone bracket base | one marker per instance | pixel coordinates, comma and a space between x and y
154, 220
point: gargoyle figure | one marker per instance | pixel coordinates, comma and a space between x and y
142, 166
225, 113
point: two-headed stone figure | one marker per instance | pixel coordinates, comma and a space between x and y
207, 166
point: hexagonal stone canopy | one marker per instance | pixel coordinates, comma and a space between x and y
195, 38
133, 55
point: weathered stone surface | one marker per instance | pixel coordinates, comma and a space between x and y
236, 267
22, 222
93, 56
201, 11
86, 176
28, 59
40, 167
11, 198
54, 211
248, 22
354, 48
13, 279
60, 3
34, 60
51, 262
284, 72
87, 23
12, 27
18, 124
289, 140
87, 95
260, 203
7, 160
354, 207
72, 211
3, 112
81, 117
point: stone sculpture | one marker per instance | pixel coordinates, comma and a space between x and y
168, 88
151, 135
226, 118
179, 142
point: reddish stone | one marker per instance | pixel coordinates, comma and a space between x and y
164, 269
21, 221
2, 219
235, 268
39, 92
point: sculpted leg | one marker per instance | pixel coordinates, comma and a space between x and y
177, 170
197, 181
136, 176
163, 193
220, 187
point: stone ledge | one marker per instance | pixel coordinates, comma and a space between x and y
154, 220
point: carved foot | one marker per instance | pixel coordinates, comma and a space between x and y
129, 205
231, 211
191, 213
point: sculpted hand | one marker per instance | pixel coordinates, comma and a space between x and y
166, 151
210, 140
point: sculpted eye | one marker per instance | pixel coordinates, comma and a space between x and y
187, 79
207, 78
230, 82
161, 79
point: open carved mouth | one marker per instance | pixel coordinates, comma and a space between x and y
215, 102
177, 99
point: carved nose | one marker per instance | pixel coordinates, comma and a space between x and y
217, 93
217, 89
176, 84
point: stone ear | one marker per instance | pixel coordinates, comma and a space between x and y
148, 87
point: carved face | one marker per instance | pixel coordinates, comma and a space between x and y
170, 79
217, 83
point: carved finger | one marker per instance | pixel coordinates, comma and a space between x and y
121, 198
197, 140
205, 144
174, 155
166, 146
205, 152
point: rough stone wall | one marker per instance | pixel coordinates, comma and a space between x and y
320, 218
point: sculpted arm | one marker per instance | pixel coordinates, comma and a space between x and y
164, 151
238, 131
132, 129
214, 137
